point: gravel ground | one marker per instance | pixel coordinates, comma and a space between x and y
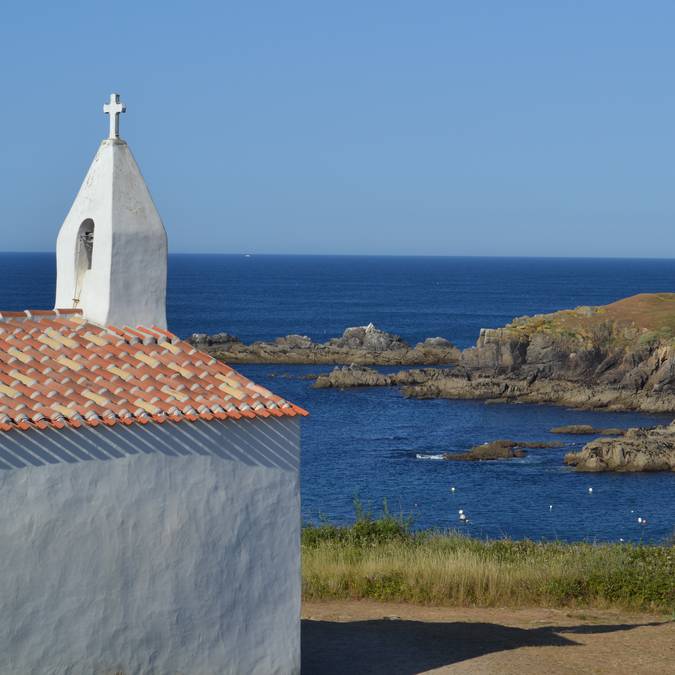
363, 637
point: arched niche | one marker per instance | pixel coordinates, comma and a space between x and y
85, 244
83, 253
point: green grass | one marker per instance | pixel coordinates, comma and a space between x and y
382, 559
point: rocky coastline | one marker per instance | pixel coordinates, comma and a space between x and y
460, 383
364, 345
584, 395
618, 357
637, 450
615, 357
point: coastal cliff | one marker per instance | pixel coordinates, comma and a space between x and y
619, 356
364, 345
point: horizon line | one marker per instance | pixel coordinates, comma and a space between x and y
385, 255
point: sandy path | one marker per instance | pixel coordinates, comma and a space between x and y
362, 637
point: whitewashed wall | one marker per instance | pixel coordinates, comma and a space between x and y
151, 549
126, 285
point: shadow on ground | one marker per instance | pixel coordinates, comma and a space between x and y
399, 647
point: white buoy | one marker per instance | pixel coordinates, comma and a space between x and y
550, 507
621, 539
452, 489
590, 491
640, 520
461, 511
462, 517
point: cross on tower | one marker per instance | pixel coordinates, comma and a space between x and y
114, 108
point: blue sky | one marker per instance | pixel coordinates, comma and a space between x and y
381, 127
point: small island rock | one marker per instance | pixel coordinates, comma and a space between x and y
362, 345
500, 449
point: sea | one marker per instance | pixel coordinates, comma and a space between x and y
376, 447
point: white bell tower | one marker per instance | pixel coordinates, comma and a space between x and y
111, 250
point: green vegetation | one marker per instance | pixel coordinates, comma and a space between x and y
648, 319
382, 559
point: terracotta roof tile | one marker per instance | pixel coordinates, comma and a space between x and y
58, 370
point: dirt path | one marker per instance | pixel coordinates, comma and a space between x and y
362, 637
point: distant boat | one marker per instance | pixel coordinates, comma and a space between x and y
247, 255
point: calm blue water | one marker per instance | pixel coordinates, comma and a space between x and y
364, 442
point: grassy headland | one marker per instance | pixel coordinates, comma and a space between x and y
382, 559
630, 325
645, 314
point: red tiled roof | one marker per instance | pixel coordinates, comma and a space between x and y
57, 370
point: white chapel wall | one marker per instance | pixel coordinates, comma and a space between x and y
169, 548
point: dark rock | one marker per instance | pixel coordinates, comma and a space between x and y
370, 339
222, 339
587, 430
294, 342
352, 376
203, 340
501, 449
344, 377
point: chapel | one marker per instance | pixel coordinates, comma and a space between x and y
149, 492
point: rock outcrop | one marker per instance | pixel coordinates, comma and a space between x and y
587, 430
346, 377
363, 345
638, 450
501, 449
619, 356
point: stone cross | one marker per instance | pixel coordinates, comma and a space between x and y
114, 108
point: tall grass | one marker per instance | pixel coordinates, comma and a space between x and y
383, 559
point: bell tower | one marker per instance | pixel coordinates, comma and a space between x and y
111, 252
